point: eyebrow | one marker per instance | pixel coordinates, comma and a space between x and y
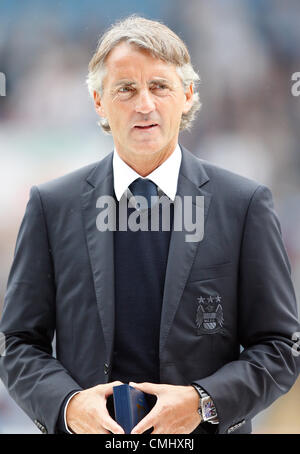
130, 82
123, 82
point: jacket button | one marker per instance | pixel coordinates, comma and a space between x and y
106, 367
40, 426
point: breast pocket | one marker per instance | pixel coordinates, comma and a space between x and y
210, 298
211, 272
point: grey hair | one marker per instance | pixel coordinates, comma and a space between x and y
160, 41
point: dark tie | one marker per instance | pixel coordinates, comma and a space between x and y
144, 187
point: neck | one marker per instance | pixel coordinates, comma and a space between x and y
144, 164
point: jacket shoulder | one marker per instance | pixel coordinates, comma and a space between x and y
70, 182
228, 182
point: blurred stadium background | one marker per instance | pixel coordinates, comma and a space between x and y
245, 51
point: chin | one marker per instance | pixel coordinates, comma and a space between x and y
147, 148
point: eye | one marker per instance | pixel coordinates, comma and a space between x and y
160, 89
160, 86
125, 90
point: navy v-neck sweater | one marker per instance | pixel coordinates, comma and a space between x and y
140, 265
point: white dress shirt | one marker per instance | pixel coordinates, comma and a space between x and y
165, 176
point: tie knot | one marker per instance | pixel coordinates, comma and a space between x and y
144, 187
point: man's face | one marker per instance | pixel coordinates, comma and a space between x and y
143, 100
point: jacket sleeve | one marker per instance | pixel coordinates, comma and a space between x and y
267, 318
34, 378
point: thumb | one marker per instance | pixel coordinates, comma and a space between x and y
149, 388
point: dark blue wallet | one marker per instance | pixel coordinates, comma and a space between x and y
130, 406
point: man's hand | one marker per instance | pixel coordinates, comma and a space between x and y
175, 411
87, 412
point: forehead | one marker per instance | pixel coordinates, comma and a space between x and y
129, 61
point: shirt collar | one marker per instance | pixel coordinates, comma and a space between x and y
165, 176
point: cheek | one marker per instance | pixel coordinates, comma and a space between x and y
117, 118
172, 107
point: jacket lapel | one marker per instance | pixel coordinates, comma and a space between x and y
192, 177
101, 247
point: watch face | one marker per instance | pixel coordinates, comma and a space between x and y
208, 409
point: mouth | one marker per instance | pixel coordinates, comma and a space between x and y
146, 127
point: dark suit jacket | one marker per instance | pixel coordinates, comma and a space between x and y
62, 281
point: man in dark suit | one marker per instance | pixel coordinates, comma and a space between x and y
204, 325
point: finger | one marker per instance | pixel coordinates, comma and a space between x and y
109, 384
99, 429
110, 424
113, 427
150, 420
157, 431
149, 388
86, 427
115, 383
108, 387
103, 431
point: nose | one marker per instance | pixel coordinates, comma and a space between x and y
145, 103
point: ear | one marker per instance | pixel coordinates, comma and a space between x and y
98, 104
188, 102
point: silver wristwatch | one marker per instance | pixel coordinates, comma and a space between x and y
207, 409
